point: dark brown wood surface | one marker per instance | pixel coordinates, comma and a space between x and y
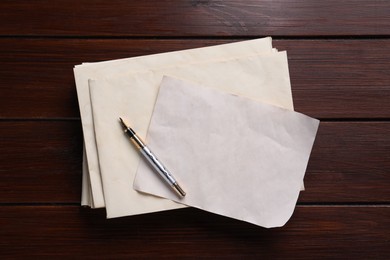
339, 59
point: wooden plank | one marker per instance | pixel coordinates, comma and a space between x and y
38, 73
348, 162
194, 18
343, 232
330, 78
41, 162
339, 78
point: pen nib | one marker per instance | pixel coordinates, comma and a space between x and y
123, 123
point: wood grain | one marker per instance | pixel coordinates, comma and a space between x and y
195, 18
41, 163
313, 232
330, 78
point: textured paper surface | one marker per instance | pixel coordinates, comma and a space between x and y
262, 77
100, 70
232, 155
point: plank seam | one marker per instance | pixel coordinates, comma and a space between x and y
300, 204
207, 37
341, 120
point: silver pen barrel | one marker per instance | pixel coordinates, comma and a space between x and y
152, 159
162, 170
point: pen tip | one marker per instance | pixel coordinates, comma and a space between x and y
123, 122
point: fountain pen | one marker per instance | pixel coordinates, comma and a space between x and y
152, 159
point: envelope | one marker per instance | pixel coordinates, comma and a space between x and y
232, 155
262, 77
116, 67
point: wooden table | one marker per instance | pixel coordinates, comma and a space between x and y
339, 58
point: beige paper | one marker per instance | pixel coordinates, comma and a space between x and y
101, 70
85, 189
262, 77
232, 155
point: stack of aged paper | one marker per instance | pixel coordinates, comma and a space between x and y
220, 117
